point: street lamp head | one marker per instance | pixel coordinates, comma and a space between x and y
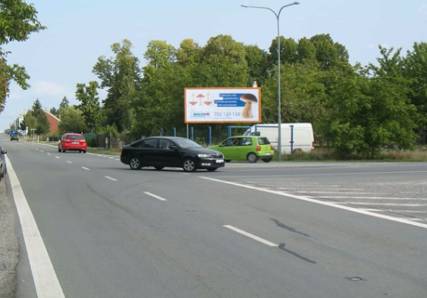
242, 5
296, 3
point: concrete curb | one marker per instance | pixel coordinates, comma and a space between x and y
9, 246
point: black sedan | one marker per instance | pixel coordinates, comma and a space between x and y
160, 152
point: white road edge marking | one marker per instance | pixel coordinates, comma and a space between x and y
155, 196
383, 204
57, 157
311, 200
111, 178
252, 236
45, 279
371, 198
86, 169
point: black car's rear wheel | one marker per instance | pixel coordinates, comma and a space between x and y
189, 165
135, 163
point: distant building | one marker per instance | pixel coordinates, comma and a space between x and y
53, 122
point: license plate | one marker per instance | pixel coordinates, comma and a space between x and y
219, 161
75, 143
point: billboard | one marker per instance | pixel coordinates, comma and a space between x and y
222, 105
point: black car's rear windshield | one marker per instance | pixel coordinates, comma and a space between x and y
74, 137
263, 141
186, 143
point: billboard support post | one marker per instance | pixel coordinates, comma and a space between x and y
209, 135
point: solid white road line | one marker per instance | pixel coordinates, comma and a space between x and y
311, 200
69, 162
371, 198
383, 204
405, 211
252, 236
86, 169
333, 192
57, 157
110, 178
45, 279
155, 196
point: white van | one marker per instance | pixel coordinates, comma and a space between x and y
302, 135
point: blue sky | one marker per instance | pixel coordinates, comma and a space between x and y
79, 31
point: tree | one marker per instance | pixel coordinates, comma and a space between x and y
71, 120
415, 70
120, 75
63, 105
223, 63
18, 20
30, 121
329, 53
288, 51
54, 111
159, 53
42, 125
257, 64
87, 95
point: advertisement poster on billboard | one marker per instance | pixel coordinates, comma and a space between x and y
222, 105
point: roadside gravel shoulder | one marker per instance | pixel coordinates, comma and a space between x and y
9, 248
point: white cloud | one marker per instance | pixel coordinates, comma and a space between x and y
46, 88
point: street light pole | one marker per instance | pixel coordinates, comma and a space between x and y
279, 93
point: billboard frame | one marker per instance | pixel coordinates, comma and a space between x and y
223, 122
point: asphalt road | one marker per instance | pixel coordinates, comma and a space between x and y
244, 231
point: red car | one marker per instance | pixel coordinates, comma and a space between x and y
72, 141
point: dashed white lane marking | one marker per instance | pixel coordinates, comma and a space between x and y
251, 236
49, 154
110, 178
315, 201
44, 276
86, 169
69, 162
57, 157
155, 196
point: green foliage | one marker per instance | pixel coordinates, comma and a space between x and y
63, 105
40, 124
356, 111
120, 75
415, 70
72, 120
18, 20
87, 95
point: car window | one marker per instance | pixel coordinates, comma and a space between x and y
137, 144
151, 143
74, 137
263, 141
245, 141
231, 142
165, 144
186, 143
